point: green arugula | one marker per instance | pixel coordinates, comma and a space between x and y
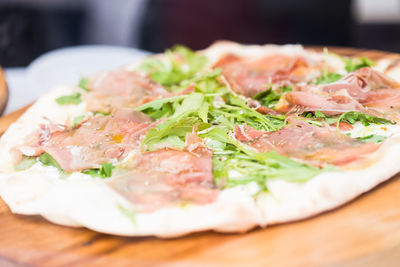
353, 64
77, 120
170, 132
190, 104
182, 64
69, 99
199, 109
48, 160
128, 213
269, 98
25, 163
161, 108
213, 110
247, 169
350, 117
328, 77
104, 172
84, 84
372, 138
325, 76
236, 111
235, 163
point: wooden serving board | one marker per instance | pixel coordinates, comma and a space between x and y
364, 232
3, 91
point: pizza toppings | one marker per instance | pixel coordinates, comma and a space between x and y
176, 133
251, 76
364, 90
179, 65
96, 141
309, 101
299, 139
168, 177
110, 91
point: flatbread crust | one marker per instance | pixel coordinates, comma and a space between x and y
80, 200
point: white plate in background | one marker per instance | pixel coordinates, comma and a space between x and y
63, 67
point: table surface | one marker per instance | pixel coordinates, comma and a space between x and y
365, 231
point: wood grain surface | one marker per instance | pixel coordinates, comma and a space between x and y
364, 232
3, 91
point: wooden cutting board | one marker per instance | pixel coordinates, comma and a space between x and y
364, 232
3, 91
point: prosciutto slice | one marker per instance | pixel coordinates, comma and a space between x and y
301, 140
360, 83
95, 141
365, 90
109, 91
370, 88
169, 177
249, 77
329, 104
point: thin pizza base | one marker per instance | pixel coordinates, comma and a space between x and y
80, 200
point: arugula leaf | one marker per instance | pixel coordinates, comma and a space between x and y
242, 165
77, 120
48, 160
128, 213
350, 117
182, 64
372, 138
353, 116
328, 77
319, 114
69, 99
216, 133
236, 111
104, 172
25, 163
190, 104
273, 166
173, 140
325, 76
84, 84
269, 98
175, 127
285, 89
353, 64
203, 112
250, 165
101, 113
161, 107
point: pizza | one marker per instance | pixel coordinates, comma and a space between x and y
226, 139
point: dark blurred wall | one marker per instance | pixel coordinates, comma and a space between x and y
199, 23
26, 31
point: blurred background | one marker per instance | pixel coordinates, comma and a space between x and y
88, 36
29, 28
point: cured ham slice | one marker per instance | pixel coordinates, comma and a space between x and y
169, 177
369, 88
301, 140
109, 91
311, 101
365, 90
249, 77
95, 141
360, 83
